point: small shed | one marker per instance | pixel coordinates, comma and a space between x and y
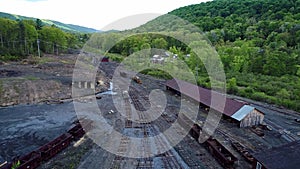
157, 59
282, 157
248, 116
242, 112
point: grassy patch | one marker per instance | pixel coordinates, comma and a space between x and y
115, 57
282, 91
157, 73
66, 62
9, 58
43, 60
39, 60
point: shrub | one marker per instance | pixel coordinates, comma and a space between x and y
9, 58
115, 57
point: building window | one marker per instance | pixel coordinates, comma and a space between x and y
258, 165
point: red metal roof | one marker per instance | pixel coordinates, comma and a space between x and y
204, 96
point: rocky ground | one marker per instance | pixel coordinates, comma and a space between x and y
35, 80
51, 81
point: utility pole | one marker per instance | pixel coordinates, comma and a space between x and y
1, 40
38, 45
25, 46
197, 72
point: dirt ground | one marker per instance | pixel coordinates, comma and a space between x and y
44, 80
84, 153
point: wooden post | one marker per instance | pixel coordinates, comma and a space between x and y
38, 45
1, 40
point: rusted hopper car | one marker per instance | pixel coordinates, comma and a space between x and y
221, 154
218, 151
29, 161
244, 151
52, 148
33, 159
195, 131
78, 130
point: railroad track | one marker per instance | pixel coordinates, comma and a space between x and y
128, 120
186, 154
120, 152
136, 99
168, 159
183, 151
290, 137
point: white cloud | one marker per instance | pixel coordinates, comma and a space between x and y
90, 13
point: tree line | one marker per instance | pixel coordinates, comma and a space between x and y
19, 39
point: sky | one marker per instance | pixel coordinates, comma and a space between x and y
97, 14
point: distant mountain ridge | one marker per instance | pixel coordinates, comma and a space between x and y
63, 26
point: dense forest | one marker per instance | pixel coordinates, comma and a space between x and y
19, 39
258, 42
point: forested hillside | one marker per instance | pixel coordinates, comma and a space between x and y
273, 26
19, 39
258, 42
66, 27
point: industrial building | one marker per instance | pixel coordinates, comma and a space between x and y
285, 156
241, 112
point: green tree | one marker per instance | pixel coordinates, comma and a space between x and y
38, 24
282, 95
53, 38
160, 43
232, 86
145, 46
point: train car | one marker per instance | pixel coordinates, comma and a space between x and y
79, 129
33, 159
29, 161
243, 151
195, 131
221, 154
52, 148
218, 151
